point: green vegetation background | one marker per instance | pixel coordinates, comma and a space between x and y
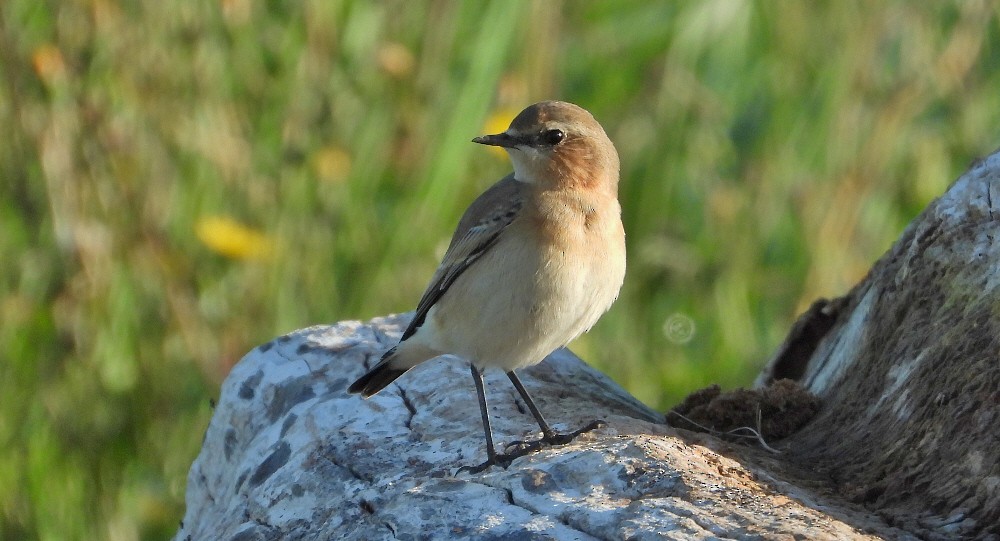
771, 152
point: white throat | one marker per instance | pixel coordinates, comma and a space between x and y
527, 163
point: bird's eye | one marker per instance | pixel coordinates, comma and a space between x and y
553, 137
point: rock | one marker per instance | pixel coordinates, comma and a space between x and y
908, 367
290, 455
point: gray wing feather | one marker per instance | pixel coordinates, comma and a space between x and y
477, 232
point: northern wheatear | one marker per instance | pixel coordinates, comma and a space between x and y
534, 262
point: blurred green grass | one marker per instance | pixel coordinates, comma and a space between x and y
771, 152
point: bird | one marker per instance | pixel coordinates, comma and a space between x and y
534, 262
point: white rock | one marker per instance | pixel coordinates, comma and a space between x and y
290, 455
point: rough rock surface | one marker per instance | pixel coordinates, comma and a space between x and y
908, 368
290, 455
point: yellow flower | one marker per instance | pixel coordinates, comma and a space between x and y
497, 122
232, 239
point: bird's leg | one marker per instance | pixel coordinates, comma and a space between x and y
549, 436
491, 455
547, 431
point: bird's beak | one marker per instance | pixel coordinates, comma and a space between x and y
504, 139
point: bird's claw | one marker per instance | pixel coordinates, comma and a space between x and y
503, 460
561, 439
523, 448
553, 438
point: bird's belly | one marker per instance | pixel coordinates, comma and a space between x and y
523, 304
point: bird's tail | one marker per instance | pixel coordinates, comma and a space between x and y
378, 378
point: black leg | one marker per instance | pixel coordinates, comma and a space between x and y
477, 377
549, 436
491, 454
547, 431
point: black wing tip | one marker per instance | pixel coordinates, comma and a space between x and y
358, 386
376, 379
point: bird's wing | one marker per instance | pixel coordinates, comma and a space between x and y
477, 232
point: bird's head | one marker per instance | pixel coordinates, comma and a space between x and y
555, 144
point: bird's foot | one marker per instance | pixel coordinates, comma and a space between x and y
552, 438
517, 449
556, 438
503, 460
522, 447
